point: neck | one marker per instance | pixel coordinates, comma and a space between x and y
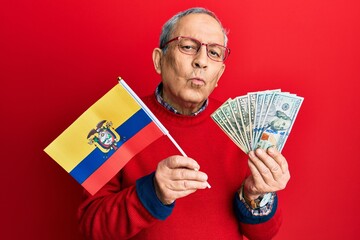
184, 108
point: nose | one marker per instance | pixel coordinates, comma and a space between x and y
201, 58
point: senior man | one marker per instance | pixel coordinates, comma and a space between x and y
162, 195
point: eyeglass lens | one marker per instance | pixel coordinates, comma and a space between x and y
192, 46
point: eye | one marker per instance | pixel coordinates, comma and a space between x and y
188, 46
215, 51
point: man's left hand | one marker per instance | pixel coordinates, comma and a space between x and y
269, 172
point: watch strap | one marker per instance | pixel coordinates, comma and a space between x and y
259, 202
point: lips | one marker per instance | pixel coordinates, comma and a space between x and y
197, 81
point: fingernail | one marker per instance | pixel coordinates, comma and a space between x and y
251, 154
259, 151
208, 185
271, 150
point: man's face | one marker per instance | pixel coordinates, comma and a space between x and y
188, 80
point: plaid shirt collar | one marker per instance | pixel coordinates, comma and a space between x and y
158, 93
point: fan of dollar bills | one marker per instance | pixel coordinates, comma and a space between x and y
259, 119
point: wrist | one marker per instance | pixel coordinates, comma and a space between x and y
145, 190
160, 195
249, 196
254, 201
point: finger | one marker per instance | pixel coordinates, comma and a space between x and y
208, 184
262, 169
256, 175
182, 162
180, 194
187, 185
279, 158
188, 174
271, 163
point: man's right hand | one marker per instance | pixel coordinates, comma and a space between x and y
177, 177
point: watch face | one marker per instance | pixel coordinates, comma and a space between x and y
265, 200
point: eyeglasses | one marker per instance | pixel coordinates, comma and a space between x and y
191, 46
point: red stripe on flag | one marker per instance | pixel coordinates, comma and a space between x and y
118, 160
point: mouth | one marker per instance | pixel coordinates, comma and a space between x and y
197, 81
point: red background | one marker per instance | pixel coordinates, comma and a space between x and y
58, 57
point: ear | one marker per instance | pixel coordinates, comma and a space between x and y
156, 56
220, 73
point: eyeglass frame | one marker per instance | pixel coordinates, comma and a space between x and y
178, 38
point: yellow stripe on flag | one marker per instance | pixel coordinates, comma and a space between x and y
71, 147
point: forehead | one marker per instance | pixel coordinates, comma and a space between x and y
200, 26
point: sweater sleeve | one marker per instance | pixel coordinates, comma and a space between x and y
258, 227
146, 191
120, 214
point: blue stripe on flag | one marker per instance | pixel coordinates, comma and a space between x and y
96, 158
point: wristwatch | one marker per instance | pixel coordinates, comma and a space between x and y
259, 202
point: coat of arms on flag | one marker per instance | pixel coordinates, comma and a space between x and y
105, 137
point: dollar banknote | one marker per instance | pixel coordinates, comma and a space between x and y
234, 126
259, 119
265, 99
245, 117
226, 128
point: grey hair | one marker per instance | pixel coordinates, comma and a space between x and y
169, 26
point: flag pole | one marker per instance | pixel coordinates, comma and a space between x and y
151, 115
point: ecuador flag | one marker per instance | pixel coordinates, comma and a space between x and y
105, 137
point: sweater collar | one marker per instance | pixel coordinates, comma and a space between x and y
159, 98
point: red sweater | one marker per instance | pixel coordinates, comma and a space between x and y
126, 208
